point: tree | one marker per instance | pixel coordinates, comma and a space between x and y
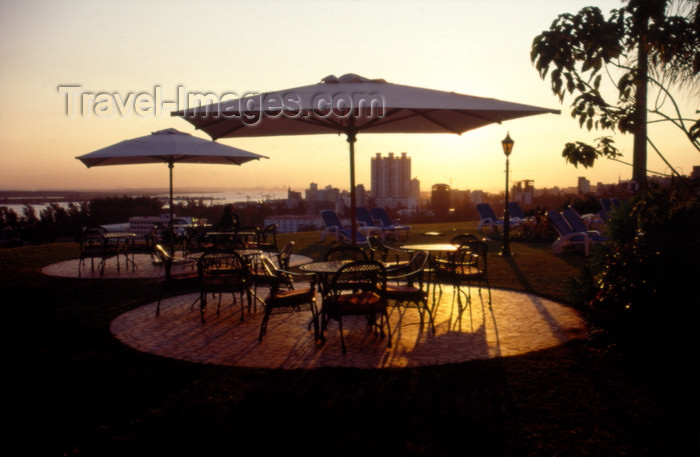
650, 42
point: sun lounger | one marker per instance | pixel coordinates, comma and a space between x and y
335, 226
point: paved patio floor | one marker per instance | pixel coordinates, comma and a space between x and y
517, 323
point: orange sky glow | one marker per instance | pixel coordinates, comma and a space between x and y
109, 53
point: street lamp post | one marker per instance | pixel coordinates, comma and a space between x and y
507, 144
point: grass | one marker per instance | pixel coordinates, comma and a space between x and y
78, 391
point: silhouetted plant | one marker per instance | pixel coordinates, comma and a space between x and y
638, 286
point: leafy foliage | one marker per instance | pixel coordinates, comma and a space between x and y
580, 49
580, 153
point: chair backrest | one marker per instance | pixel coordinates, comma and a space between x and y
485, 211
479, 254
363, 275
285, 255
331, 219
559, 223
92, 233
364, 216
165, 259
346, 252
95, 229
380, 214
269, 231
515, 210
574, 220
413, 271
377, 248
615, 202
91, 242
606, 204
222, 262
463, 238
276, 276
264, 265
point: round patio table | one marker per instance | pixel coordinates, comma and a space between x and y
324, 267
435, 250
430, 247
124, 244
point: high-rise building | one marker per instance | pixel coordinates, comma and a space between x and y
415, 189
391, 176
524, 191
584, 185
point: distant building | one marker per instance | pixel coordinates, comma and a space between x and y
524, 192
320, 199
460, 197
292, 224
391, 176
360, 195
584, 185
696, 172
415, 189
397, 203
477, 196
440, 199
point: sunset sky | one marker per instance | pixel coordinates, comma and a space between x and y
161, 48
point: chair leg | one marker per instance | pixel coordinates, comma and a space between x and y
323, 324
342, 340
263, 325
423, 307
160, 298
202, 304
243, 307
314, 318
385, 317
488, 287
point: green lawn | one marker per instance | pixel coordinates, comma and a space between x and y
76, 390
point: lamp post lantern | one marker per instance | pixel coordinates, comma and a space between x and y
507, 144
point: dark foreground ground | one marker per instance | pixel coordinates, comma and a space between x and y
73, 389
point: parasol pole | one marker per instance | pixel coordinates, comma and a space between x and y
170, 167
352, 138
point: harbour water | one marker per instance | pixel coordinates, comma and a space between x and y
207, 198
223, 198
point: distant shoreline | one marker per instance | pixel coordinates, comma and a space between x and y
96, 193
16, 199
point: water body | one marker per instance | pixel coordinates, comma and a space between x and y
208, 198
225, 198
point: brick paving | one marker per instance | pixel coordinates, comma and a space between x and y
516, 323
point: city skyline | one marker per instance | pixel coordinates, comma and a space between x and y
81, 75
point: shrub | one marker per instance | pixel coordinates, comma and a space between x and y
638, 286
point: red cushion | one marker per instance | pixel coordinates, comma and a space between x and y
359, 303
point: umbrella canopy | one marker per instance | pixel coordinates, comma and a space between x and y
167, 146
352, 104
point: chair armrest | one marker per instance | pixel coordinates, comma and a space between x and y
400, 276
299, 274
